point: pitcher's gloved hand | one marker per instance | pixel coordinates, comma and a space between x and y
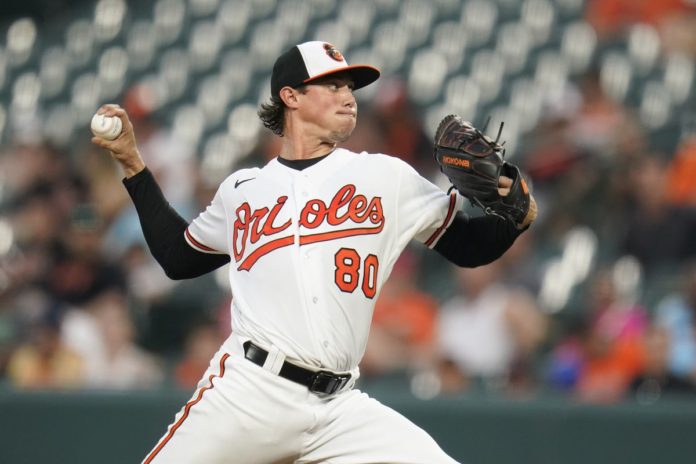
475, 166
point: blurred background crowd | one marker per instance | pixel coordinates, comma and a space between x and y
597, 301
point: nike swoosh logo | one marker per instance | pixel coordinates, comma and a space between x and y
238, 182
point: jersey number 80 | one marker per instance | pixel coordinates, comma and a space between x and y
348, 267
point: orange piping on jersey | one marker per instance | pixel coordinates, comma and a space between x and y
453, 202
326, 236
187, 408
273, 245
198, 244
264, 250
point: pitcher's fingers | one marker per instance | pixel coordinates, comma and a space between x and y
505, 182
102, 142
123, 115
107, 108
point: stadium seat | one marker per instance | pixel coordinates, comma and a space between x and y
108, 19
538, 16
261, 8
526, 97
233, 19
479, 17
615, 75
188, 124
551, 71
243, 125
213, 98
578, 45
292, 19
20, 42
174, 71
267, 42
450, 39
203, 8
462, 95
390, 42
513, 44
655, 106
427, 74
643, 47
679, 77
79, 43
235, 71
53, 71
168, 19
358, 16
63, 125
205, 42
220, 152
141, 44
85, 97
487, 71
416, 17
112, 69
26, 91
334, 31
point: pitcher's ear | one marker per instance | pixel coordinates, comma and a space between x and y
289, 96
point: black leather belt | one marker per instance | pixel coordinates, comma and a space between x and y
317, 381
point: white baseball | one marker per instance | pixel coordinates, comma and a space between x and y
106, 127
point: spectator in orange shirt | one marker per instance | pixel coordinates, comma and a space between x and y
681, 172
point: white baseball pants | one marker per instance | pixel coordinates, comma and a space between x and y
243, 414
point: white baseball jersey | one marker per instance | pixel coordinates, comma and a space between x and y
311, 249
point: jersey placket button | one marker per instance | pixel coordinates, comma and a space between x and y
315, 300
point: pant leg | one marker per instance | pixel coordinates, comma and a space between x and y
354, 428
239, 413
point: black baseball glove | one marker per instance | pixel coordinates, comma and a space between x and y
474, 163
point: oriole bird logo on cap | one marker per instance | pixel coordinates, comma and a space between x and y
333, 52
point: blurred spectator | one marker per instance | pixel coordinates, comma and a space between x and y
656, 381
125, 365
600, 360
676, 314
105, 338
201, 344
488, 332
43, 361
657, 233
80, 271
402, 331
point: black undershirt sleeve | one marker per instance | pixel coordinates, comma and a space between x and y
164, 231
471, 242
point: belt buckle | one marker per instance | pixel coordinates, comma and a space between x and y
328, 382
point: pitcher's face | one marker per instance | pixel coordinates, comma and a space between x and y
329, 108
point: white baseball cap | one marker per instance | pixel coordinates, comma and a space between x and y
311, 60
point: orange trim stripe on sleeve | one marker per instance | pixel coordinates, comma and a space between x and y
198, 244
450, 212
187, 409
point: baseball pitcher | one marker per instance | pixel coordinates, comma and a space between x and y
310, 238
